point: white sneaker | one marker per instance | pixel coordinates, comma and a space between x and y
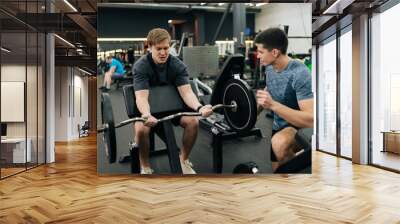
187, 167
146, 170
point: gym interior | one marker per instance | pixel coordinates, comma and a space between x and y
211, 62
57, 163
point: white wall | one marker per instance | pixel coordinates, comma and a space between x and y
296, 15
61, 103
33, 126
16, 73
79, 117
69, 85
13, 101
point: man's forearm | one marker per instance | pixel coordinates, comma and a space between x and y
112, 70
143, 106
298, 118
191, 101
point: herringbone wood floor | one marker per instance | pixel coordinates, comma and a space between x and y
70, 191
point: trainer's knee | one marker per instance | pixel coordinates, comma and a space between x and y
280, 146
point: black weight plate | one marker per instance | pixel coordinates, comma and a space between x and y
109, 138
245, 116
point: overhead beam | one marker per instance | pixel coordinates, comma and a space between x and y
78, 61
80, 20
86, 26
338, 6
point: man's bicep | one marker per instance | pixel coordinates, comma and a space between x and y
184, 89
303, 86
140, 81
181, 81
182, 77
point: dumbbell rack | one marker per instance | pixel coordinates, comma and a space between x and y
220, 133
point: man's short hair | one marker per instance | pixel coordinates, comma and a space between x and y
273, 38
157, 35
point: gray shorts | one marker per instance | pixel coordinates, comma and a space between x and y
117, 75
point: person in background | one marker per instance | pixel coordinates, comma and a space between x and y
116, 69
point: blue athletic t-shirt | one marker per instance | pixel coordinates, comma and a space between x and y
119, 68
288, 87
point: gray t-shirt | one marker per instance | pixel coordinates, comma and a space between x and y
288, 87
143, 72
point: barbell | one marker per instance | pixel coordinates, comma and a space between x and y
238, 104
233, 107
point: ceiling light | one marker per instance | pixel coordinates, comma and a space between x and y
5, 50
86, 72
221, 4
203, 3
70, 5
169, 21
328, 10
260, 4
65, 41
224, 41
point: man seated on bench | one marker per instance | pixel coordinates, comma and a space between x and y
287, 94
116, 70
160, 68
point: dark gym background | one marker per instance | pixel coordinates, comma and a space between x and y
114, 22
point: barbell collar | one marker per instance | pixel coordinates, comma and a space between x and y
102, 129
233, 105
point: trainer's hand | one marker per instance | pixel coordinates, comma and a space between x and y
150, 120
206, 110
264, 99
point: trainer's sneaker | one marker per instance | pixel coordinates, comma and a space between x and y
146, 170
187, 167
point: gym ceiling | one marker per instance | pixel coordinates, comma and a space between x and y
76, 24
